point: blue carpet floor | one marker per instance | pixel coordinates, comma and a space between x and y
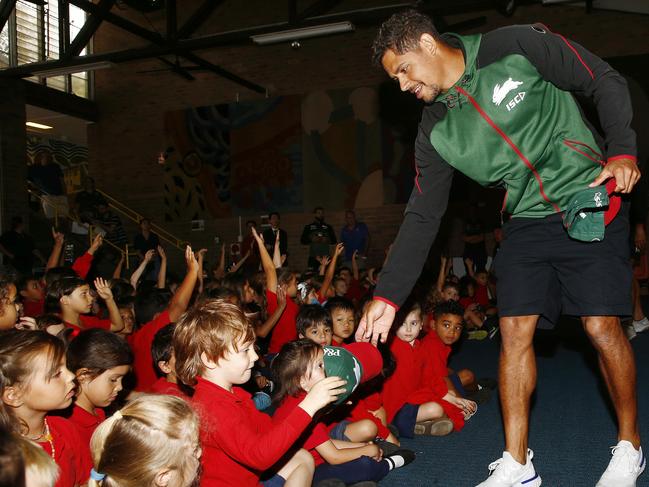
572, 423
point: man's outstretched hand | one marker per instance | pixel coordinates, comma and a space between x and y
376, 322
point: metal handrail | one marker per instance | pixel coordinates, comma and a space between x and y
57, 208
125, 252
59, 211
137, 218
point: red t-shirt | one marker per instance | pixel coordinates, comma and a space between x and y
163, 386
355, 292
33, 308
482, 295
284, 331
82, 265
88, 321
72, 455
85, 422
467, 301
315, 434
141, 341
238, 441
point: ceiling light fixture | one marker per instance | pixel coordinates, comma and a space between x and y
73, 69
38, 126
303, 33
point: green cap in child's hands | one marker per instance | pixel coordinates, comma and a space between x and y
355, 363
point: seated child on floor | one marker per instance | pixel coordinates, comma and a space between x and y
299, 366
214, 350
445, 330
314, 322
164, 363
411, 404
32, 295
282, 330
343, 320
9, 307
151, 441
23, 463
100, 360
36, 381
72, 298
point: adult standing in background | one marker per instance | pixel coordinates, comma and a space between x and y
319, 236
143, 242
47, 176
270, 234
356, 238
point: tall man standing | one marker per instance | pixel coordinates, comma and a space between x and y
500, 109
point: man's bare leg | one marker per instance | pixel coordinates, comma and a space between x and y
517, 380
617, 363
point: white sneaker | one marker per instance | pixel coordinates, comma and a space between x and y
625, 466
629, 331
507, 472
641, 325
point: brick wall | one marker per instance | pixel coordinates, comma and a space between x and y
124, 143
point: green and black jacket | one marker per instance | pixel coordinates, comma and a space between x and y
510, 121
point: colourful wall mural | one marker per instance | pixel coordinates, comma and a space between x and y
72, 158
326, 148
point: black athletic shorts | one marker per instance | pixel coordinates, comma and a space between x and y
541, 270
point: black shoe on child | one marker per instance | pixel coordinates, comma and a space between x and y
386, 447
408, 457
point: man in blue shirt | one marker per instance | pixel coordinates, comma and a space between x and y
355, 236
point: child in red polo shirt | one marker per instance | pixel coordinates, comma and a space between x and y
99, 359
214, 348
32, 296
445, 330
164, 362
72, 298
353, 422
411, 403
152, 441
35, 381
343, 319
284, 329
153, 312
298, 368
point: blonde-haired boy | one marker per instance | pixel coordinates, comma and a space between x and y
214, 349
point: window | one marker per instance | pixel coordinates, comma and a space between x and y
33, 35
4, 46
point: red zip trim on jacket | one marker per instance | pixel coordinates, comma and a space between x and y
417, 178
590, 71
573, 145
511, 144
572, 48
